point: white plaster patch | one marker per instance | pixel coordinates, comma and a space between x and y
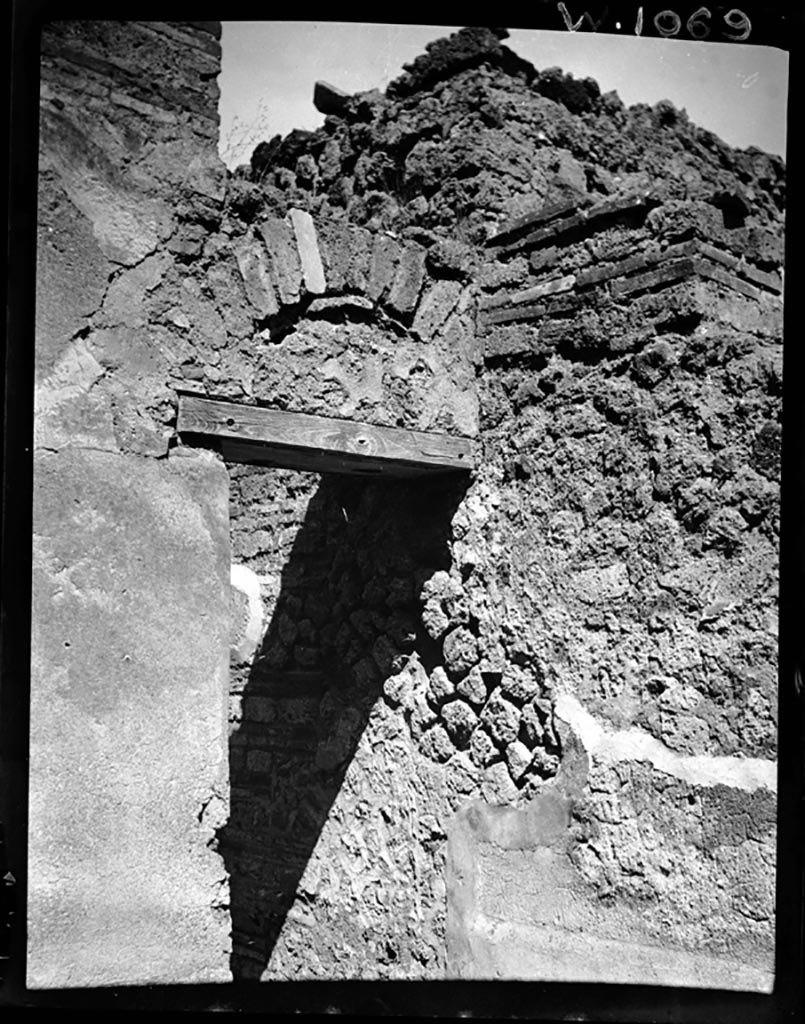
748, 773
248, 583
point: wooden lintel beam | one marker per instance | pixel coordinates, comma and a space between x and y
247, 433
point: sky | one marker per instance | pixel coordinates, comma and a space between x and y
269, 68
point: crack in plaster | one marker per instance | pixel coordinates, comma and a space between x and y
747, 773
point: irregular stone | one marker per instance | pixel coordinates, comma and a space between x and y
460, 720
437, 304
531, 725
518, 758
450, 258
436, 744
460, 650
384, 654
544, 764
440, 585
501, 718
434, 619
472, 687
440, 687
408, 280
482, 749
520, 684
497, 786
254, 269
308, 248
457, 609
462, 775
398, 689
286, 268
653, 363
422, 715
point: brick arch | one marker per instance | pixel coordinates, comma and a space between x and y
298, 272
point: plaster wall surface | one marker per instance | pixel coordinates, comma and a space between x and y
128, 774
130, 617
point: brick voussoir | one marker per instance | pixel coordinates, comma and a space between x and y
307, 247
383, 265
286, 267
408, 279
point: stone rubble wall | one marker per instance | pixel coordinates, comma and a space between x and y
610, 584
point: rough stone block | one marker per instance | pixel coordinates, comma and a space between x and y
440, 687
518, 758
460, 720
286, 267
501, 718
436, 744
482, 747
434, 618
130, 650
520, 684
460, 651
308, 247
408, 280
497, 786
327, 99
472, 687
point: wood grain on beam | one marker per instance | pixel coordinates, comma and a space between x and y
247, 433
